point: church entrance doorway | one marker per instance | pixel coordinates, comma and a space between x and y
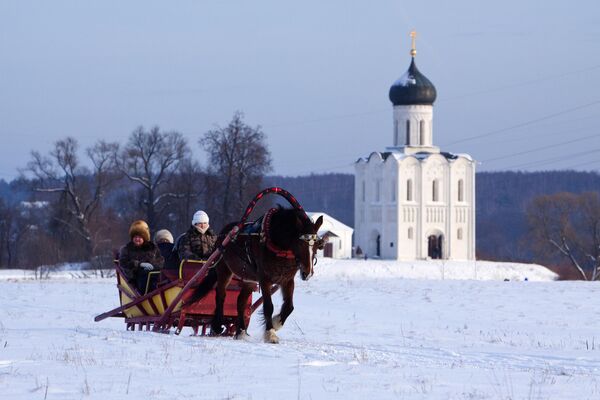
434, 247
374, 248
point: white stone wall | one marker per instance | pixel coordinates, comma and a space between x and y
417, 136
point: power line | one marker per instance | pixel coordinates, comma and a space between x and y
525, 123
554, 159
541, 148
524, 83
490, 90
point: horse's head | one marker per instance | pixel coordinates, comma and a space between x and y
291, 234
306, 249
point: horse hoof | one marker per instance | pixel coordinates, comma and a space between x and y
271, 337
243, 335
217, 331
277, 324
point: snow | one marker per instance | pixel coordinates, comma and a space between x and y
405, 80
360, 329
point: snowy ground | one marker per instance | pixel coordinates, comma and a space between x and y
361, 329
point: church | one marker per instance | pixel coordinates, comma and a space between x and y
414, 201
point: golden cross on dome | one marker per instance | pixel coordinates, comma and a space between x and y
413, 50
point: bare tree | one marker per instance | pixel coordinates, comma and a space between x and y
80, 189
150, 159
238, 160
569, 224
190, 185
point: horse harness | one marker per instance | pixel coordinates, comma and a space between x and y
260, 229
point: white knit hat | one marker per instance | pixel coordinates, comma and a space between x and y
162, 236
199, 216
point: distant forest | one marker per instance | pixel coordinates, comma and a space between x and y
501, 197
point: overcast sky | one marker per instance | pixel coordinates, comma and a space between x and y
518, 82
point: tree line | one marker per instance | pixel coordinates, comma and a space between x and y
59, 210
72, 204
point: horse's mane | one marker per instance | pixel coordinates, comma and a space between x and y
287, 224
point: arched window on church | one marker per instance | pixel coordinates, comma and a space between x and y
393, 186
461, 190
434, 190
410, 233
422, 132
364, 194
396, 133
407, 132
409, 192
377, 190
459, 234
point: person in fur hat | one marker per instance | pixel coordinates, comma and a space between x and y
199, 241
140, 256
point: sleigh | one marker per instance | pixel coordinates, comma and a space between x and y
144, 311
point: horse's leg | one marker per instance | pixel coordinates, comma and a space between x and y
224, 275
242, 301
287, 291
270, 336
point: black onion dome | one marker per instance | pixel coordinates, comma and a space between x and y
412, 88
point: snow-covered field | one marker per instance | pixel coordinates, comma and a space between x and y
361, 329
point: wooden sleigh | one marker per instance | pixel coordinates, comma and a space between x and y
147, 311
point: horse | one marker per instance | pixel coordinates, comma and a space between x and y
286, 242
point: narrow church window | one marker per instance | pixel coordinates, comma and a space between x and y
461, 190
393, 190
407, 132
409, 194
378, 190
434, 190
422, 132
363, 191
396, 134
410, 233
459, 234
391, 244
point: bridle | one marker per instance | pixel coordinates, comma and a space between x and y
310, 239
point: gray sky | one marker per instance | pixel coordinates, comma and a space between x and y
512, 76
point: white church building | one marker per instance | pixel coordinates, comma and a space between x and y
414, 201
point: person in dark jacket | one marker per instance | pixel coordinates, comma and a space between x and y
164, 240
199, 241
140, 256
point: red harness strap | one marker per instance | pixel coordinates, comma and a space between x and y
270, 245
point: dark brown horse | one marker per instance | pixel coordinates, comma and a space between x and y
270, 251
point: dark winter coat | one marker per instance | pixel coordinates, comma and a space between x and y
169, 254
131, 256
194, 245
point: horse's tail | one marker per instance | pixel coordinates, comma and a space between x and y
207, 284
